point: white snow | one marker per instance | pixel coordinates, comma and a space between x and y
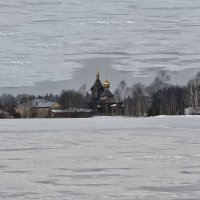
111, 158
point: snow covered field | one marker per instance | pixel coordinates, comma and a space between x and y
100, 158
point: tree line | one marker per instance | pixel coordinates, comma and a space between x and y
67, 98
158, 98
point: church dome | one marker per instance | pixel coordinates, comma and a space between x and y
106, 84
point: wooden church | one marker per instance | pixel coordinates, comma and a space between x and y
102, 101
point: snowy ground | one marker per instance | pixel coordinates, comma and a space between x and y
100, 158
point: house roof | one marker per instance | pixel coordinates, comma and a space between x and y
38, 103
41, 103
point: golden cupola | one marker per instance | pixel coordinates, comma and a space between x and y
106, 83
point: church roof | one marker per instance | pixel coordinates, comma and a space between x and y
97, 85
97, 88
107, 93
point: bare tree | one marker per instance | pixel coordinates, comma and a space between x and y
8, 103
194, 93
139, 100
160, 82
122, 91
83, 90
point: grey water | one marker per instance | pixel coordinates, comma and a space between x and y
105, 158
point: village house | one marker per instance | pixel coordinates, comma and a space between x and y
38, 108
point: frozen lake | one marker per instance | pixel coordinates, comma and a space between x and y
100, 158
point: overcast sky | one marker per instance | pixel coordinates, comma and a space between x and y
45, 44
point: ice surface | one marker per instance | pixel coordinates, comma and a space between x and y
100, 158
